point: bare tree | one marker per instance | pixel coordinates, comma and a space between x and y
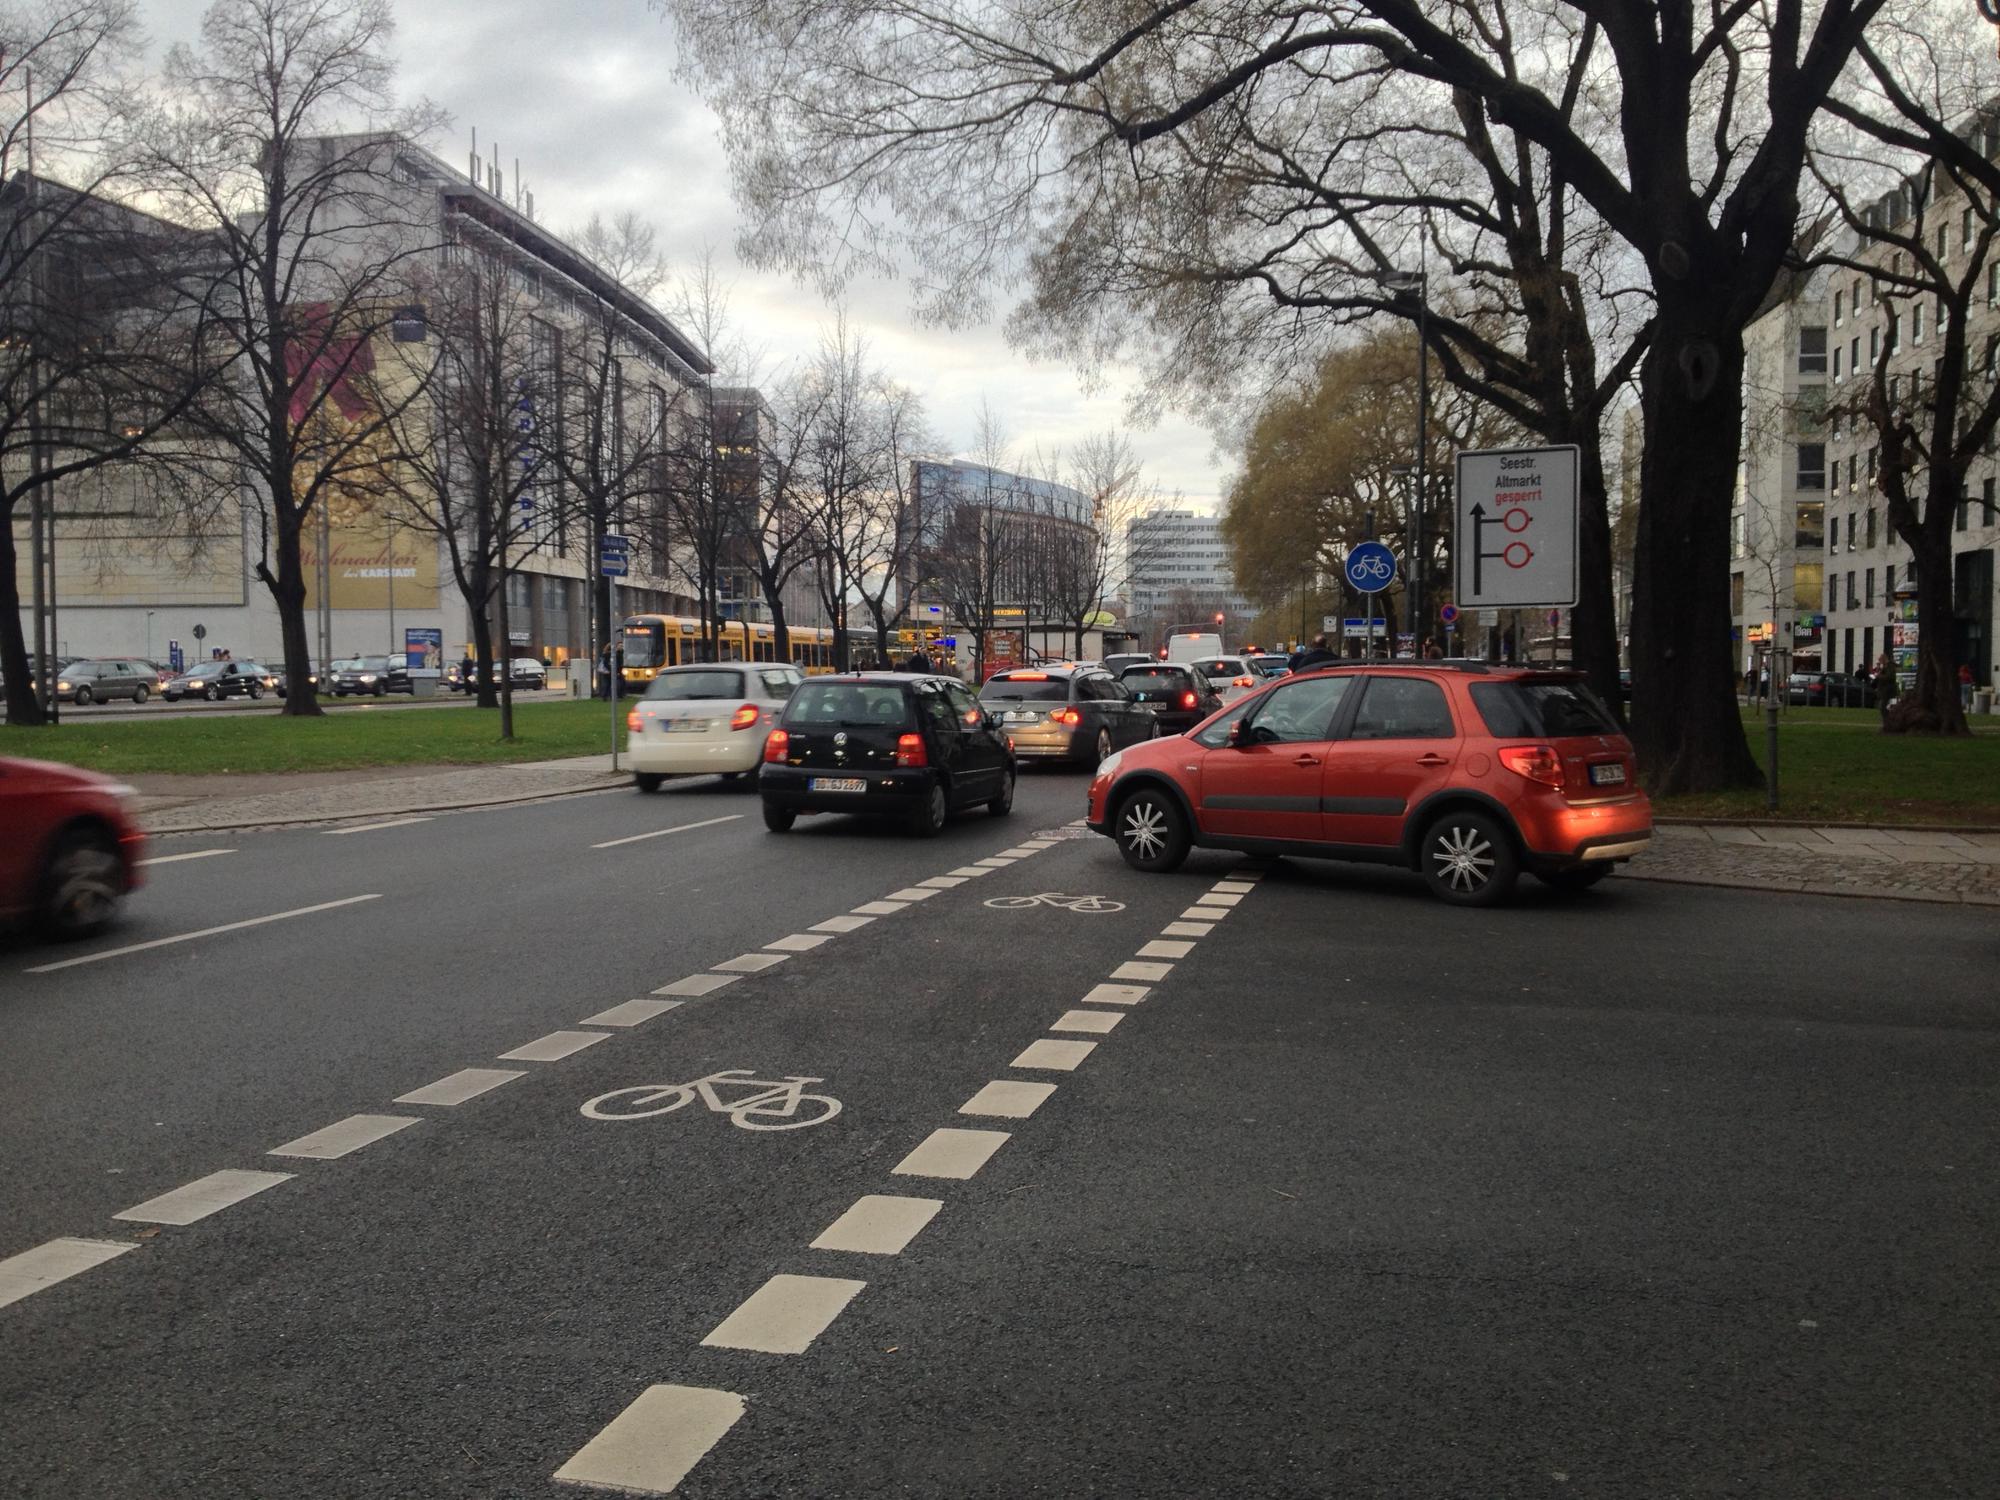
969, 539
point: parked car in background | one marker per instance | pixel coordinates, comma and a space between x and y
1467, 774
1118, 661
106, 678
523, 672
1828, 690
885, 744
1178, 696
371, 676
284, 685
69, 851
211, 680
1077, 713
706, 720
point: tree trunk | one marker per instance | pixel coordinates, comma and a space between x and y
1685, 722
1593, 624
288, 593
24, 706
1932, 706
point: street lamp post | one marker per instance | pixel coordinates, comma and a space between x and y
1418, 282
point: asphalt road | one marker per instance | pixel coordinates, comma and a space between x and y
1660, 1191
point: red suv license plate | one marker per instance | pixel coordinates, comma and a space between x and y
1607, 775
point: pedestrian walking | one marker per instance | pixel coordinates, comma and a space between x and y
1318, 654
1885, 684
1432, 651
1964, 688
917, 661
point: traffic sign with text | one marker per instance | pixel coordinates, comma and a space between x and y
1517, 527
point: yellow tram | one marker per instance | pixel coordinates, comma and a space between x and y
651, 642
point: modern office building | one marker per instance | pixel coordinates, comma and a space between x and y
1177, 571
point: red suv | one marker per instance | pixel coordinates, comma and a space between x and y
1468, 774
68, 849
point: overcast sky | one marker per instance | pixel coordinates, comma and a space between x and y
581, 92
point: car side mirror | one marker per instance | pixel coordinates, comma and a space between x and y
1241, 736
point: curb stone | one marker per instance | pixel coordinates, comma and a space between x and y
397, 812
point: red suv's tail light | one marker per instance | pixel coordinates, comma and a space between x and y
774, 745
1187, 700
744, 717
910, 750
1536, 762
1069, 716
633, 722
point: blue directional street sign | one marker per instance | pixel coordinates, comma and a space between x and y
1371, 567
614, 555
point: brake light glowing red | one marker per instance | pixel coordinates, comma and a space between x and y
910, 750
633, 722
1069, 716
1536, 762
1242, 682
775, 744
1026, 677
1187, 700
744, 717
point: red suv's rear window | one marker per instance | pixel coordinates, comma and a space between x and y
1541, 710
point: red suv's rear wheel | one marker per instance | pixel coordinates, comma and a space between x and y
1151, 831
1469, 860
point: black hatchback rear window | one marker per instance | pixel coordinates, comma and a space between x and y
1144, 677
849, 705
1541, 710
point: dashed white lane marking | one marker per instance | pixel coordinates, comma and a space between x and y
910, 893
785, 1314
840, 924
750, 963
1205, 913
1187, 929
188, 937
1160, 948
1021, 851
879, 908
879, 1224
651, 1445
944, 882
697, 984
956, 1154
1056, 1057
659, 833
174, 859
631, 1013
1098, 1021
1008, 1099
1226, 899
1040, 844
456, 1088
202, 1197
970, 872
343, 1136
555, 1046
799, 942
374, 827
1150, 973
1117, 994
997, 862
27, 1273
1232, 888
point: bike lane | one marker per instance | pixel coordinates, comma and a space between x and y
463, 1306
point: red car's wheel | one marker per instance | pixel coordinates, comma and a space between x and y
82, 884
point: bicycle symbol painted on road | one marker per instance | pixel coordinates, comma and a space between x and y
1089, 905
751, 1103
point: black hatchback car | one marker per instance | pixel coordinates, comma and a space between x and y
1179, 696
885, 744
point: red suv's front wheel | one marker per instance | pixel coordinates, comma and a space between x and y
1151, 831
1469, 860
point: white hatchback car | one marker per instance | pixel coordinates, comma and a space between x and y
1231, 676
706, 720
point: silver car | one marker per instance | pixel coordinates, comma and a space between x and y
1075, 714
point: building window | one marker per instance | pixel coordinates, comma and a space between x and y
1874, 343
1889, 581
1916, 323
1868, 645
1871, 526
1853, 599
1986, 503
1867, 588
1812, 351
1812, 466
1855, 299
1847, 647
1964, 513
1993, 283
1833, 593
1941, 241
1838, 299
1836, 372
1833, 535
1965, 229
1871, 472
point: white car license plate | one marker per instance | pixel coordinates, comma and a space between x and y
1608, 775
837, 784
686, 726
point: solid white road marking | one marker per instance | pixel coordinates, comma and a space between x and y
343, 1136
880, 908
697, 984
841, 924
1117, 994
631, 1013
785, 1314
1160, 948
910, 893
372, 827
188, 937
750, 963
1099, 1021
799, 942
202, 1197
27, 1273
1187, 929
174, 859
652, 1445
555, 1046
1056, 1057
1150, 973
658, 833
879, 1224
970, 872
956, 1154
1008, 1099
456, 1088
943, 882
1205, 913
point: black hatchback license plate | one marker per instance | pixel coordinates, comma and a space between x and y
1607, 775
837, 784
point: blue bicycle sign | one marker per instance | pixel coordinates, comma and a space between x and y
1371, 567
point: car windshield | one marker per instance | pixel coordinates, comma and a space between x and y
373, 664
206, 669
1519, 710
848, 705
708, 682
349, 664
1025, 689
